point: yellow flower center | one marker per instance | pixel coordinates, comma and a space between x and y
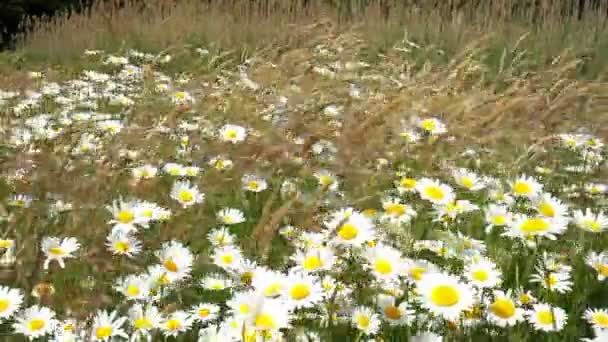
545, 317
392, 312
499, 220
408, 183
546, 209
36, 324
244, 308
69, 327
591, 225
369, 212
227, 259
272, 290
299, 291
253, 185
522, 188
326, 180
524, 298
383, 266
534, 225
142, 323
4, 304
186, 196
122, 246
434, 192
231, 134
348, 232
247, 277
173, 324
363, 321
203, 313
395, 209
467, 182
445, 295
503, 308
103, 332
132, 290
170, 265
428, 125
264, 322
602, 269
480, 275
174, 172
125, 216
600, 319
56, 251
312, 263
6, 243
417, 272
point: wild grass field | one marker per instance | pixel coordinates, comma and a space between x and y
222, 172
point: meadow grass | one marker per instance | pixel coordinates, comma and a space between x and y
367, 140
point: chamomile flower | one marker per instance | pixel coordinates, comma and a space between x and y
230, 216
221, 163
547, 318
356, 230
220, 237
526, 187
175, 259
327, 180
444, 295
483, 273
434, 191
186, 194
10, 301
227, 257
176, 323
451, 210
384, 262
181, 98
232, 133
216, 282
144, 319
36, 321
120, 243
302, 290
417, 270
58, 250
497, 216
107, 326
395, 211
599, 262
596, 188
126, 216
365, 320
144, 172
502, 310
432, 126
525, 227
205, 312
134, 287
254, 183
241, 305
395, 315
314, 259
468, 180
270, 283
598, 318
406, 185
192, 171
589, 221
269, 315
550, 207
174, 169
553, 281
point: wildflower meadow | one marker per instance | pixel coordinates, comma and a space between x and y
314, 187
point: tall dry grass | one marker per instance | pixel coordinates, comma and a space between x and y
550, 26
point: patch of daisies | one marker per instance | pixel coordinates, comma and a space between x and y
365, 269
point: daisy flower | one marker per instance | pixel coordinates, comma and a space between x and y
254, 183
271, 283
397, 212
365, 320
242, 303
232, 133
525, 227
432, 126
395, 315
227, 257
174, 169
406, 185
303, 290
356, 230
468, 180
229, 216
596, 188
181, 98
220, 237
526, 187
175, 259
144, 172
588, 221
220, 163
444, 295
550, 207
598, 318
497, 216
314, 259
601, 335
599, 262
126, 216
384, 262
434, 192
120, 243
176, 323
452, 209
216, 282
144, 319
205, 312
483, 273
10, 301
58, 250
192, 171
35, 322
553, 281
186, 193
416, 270
134, 287
327, 180
547, 318
502, 310
269, 315
107, 325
